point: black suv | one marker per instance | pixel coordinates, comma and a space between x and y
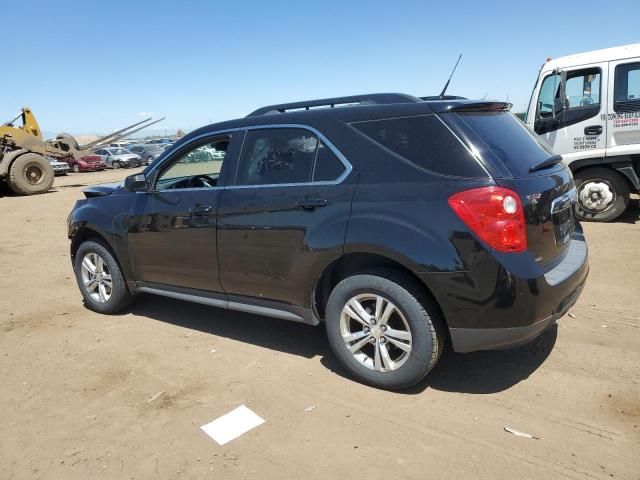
403, 224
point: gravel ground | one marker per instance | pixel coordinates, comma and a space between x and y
75, 386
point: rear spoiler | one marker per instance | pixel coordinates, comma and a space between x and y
481, 107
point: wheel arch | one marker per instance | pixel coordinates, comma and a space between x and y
84, 232
625, 166
9, 158
354, 262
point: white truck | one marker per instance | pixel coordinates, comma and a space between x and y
587, 108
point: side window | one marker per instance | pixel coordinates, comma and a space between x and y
626, 91
583, 88
424, 141
328, 166
198, 167
276, 156
548, 96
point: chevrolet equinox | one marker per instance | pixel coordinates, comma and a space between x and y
401, 224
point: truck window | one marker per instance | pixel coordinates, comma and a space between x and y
626, 90
549, 96
583, 88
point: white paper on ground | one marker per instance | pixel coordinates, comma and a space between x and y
231, 425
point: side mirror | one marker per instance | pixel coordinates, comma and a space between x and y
136, 183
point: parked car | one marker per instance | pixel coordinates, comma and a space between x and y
401, 224
158, 140
59, 168
88, 163
119, 157
148, 152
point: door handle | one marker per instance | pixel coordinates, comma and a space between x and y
593, 130
312, 203
201, 209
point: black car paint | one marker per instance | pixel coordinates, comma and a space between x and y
260, 246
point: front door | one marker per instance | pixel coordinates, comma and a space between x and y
286, 217
172, 227
623, 117
578, 130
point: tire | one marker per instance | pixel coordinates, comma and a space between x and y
30, 174
149, 159
415, 312
597, 181
112, 300
76, 168
116, 165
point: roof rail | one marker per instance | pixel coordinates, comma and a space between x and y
368, 99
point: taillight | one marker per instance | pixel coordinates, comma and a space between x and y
494, 214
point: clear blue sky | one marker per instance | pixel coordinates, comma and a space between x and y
90, 67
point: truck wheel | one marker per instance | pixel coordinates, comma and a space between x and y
602, 194
383, 329
30, 174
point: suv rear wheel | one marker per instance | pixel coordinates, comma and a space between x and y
100, 279
383, 330
602, 194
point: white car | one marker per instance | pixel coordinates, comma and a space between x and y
119, 157
59, 168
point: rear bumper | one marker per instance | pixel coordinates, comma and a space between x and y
471, 339
504, 302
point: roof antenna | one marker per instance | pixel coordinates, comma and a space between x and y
446, 85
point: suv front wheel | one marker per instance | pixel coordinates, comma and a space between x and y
100, 279
383, 329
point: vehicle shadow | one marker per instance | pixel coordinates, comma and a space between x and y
272, 333
479, 372
631, 214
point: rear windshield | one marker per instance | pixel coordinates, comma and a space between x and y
424, 141
509, 139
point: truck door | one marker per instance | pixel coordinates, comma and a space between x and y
623, 108
577, 127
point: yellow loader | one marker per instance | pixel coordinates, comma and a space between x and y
23, 152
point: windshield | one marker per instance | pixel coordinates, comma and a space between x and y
509, 139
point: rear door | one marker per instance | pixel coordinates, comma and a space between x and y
286, 217
623, 112
579, 130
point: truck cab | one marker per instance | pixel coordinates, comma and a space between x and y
587, 108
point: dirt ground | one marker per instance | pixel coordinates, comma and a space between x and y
75, 386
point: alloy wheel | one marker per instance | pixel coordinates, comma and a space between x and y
376, 332
96, 277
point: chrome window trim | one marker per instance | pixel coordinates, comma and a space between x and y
331, 146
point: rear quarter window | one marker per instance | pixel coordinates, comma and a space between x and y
510, 140
424, 141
